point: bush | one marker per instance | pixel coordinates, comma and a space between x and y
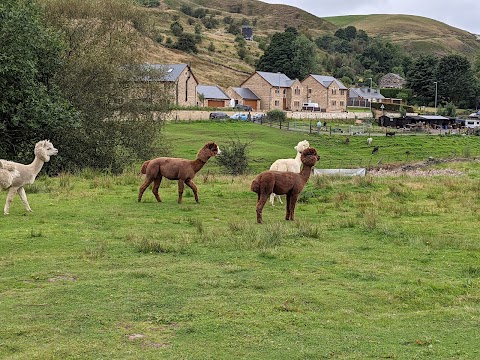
234, 158
276, 116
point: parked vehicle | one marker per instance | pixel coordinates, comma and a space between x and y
239, 116
258, 117
242, 107
218, 115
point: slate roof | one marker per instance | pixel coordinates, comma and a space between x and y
327, 80
276, 79
168, 72
366, 93
212, 92
246, 93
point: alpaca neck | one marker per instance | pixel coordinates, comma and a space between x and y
36, 166
298, 158
305, 173
198, 164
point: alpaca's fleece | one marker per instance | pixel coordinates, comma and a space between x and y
292, 165
369, 141
179, 169
13, 176
284, 183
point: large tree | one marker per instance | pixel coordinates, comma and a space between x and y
421, 79
31, 107
290, 53
101, 69
456, 82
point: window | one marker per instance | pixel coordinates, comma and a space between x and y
334, 103
297, 91
342, 103
277, 91
296, 103
334, 91
309, 91
277, 103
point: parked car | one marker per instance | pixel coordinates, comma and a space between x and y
218, 115
258, 117
239, 116
242, 107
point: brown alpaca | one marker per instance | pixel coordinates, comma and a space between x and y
182, 170
284, 183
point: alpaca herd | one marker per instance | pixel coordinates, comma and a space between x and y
285, 176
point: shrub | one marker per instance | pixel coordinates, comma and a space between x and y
276, 116
234, 158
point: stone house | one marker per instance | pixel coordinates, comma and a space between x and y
276, 91
329, 93
179, 83
392, 80
243, 96
212, 96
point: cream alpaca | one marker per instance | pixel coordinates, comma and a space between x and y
13, 176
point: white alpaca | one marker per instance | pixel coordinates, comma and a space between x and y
291, 165
369, 141
13, 176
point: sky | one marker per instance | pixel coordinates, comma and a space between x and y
462, 14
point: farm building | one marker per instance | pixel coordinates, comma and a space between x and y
247, 32
212, 96
362, 96
244, 96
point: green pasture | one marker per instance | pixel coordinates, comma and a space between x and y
372, 268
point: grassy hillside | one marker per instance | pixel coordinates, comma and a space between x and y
415, 33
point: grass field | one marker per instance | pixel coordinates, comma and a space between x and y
372, 268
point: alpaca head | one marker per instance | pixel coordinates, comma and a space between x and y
310, 157
209, 149
302, 145
44, 149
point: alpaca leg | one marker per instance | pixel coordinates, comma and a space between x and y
144, 187
181, 185
293, 202
261, 201
287, 207
23, 196
192, 186
10, 195
272, 199
279, 198
156, 186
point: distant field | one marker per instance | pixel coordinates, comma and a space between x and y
372, 268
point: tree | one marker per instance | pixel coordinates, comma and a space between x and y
289, 53
98, 74
421, 78
187, 43
31, 107
176, 28
456, 83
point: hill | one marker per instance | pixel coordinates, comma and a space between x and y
415, 33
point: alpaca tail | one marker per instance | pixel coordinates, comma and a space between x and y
143, 170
